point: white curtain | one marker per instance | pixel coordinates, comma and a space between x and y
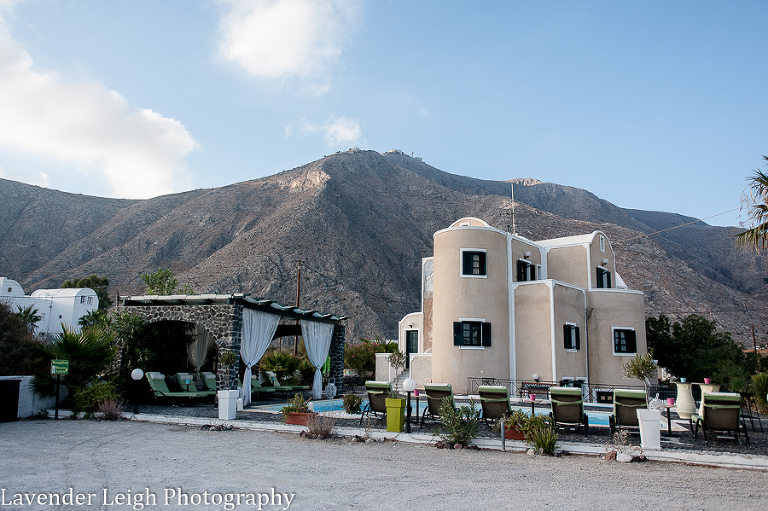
197, 350
317, 341
258, 329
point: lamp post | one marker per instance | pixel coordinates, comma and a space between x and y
409, 384
137, 374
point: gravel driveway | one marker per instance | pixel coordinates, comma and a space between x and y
135, 459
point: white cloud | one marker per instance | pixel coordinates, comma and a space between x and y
279, 39
337, 130
138, 151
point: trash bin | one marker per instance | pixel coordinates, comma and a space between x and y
228, 404
650, 428
9, 400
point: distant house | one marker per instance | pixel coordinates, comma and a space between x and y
498, 306
56, 307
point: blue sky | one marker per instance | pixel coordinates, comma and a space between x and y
651, 105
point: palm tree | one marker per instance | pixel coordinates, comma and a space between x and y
29, 315
757, 235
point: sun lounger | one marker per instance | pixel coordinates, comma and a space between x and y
187, 384
720, 413
276, 383
160, 388
495, 401
436, 392
625, 404
209, 380
378, 392
568, 408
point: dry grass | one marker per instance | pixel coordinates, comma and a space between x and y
321, 426
110, 410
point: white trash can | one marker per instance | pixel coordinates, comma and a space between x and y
650, 428
228, 404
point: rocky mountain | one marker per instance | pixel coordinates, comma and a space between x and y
360, 222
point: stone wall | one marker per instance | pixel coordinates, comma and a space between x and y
336, 353
223, 322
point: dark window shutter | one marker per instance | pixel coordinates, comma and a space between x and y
458, 335
599, 277
608, 279
567, 336
578, 339
631, 341
466, 263
533, 272
520, 271
486, 334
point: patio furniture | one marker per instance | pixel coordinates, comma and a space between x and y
495, 401
568, 409
160, 388
720, 413
209, 380
625, 404
187, 384
276, 383
436, 392
256, 387
378, 392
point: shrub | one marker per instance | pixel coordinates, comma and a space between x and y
19, 349
761, 389
352, 403
110, 410
543, 439
362, 357
460, 423
320, 427
531, 424
281, 362
89, 399
228, 358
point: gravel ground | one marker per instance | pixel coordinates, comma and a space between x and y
128, 456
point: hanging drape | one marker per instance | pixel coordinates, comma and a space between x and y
197, 350
317, 341
258, 329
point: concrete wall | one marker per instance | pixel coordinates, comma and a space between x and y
568, 264
413, 321
597, 257
29, 402
570, 304
613, 308
421, 369
461, 298
533, 331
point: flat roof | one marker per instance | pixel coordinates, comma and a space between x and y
244, 299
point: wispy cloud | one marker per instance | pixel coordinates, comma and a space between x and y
336, 130
281, 39
138, 151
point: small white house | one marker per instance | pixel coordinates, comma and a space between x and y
56, 307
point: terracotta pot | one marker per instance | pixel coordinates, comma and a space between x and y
513, 433
299, 418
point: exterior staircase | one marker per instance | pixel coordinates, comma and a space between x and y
400, 379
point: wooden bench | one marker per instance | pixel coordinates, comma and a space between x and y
534, 387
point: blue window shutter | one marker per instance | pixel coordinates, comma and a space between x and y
458, 335
486, 334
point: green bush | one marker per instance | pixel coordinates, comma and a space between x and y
281, 362
543, 439
761, 389
362, 357
352, 403
89, 399
295, 405
460, 424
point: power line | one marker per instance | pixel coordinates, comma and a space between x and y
677, 226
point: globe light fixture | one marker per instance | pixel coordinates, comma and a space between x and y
137, 374
409, 384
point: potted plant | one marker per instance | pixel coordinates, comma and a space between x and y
296, 411
228, 398
513, 425
641, 367
395, 403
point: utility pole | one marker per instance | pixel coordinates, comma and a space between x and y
298, 301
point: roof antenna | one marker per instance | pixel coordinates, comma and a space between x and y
514, 227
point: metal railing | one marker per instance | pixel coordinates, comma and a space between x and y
593, 392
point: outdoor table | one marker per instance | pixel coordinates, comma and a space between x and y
668, 408
533, 404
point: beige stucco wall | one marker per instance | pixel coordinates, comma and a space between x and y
518, 249
458, 298
597, 258
568, 264
413, 321
533, 330
421, 369
570, 306
613, 309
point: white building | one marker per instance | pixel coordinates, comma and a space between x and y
56, 307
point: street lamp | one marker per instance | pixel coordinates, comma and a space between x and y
409, 384
137, 374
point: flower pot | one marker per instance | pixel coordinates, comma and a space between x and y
395, 414
512, 433
707, 381
299, 418
227, 404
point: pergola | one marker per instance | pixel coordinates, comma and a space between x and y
246, 325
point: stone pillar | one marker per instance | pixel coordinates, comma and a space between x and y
229, 338
336, 354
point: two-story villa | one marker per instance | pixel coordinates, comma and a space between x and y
496, 305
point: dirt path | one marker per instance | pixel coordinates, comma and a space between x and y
164, 461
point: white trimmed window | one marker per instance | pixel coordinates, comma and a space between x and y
571, 337
473, 263
624, 341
